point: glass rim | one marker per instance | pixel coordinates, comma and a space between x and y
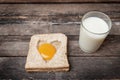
96, 16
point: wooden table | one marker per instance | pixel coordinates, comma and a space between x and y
21, 19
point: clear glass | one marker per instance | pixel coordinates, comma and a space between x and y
90, 41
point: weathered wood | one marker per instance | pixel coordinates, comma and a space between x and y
34, 27
80, 68
24, 29
53, 19
49, 1
74, 28
45, 18
19, 21
18, 46
57, 9
13, 68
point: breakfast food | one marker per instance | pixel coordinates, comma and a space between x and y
47, 52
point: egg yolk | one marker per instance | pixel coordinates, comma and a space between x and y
47, 51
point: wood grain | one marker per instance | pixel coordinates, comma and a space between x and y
74, 28
57, 9
14, 68
23, 20
18, 22
80, 68
46, 18
51, 1
18, 46
24, 29
33, 27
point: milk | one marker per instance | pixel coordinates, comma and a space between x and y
92, 34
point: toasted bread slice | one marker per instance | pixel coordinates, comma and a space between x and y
59, 62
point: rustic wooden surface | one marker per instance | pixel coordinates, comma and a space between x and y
18, 22
57, 1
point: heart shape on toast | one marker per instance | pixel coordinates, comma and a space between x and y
48, 50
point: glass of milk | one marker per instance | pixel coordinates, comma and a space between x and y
95, 26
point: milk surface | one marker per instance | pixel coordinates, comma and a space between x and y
90, 40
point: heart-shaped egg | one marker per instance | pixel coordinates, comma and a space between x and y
47, 51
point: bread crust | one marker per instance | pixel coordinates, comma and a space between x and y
47, 69
35, 62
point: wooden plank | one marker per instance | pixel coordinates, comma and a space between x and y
53, 19
36, 27
110, 47
80, 68
57, 16
24, 29
50, 1
14, 48
57, 9
17, 71
18, 46
74, 28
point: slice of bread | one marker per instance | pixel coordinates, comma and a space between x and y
59, 62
